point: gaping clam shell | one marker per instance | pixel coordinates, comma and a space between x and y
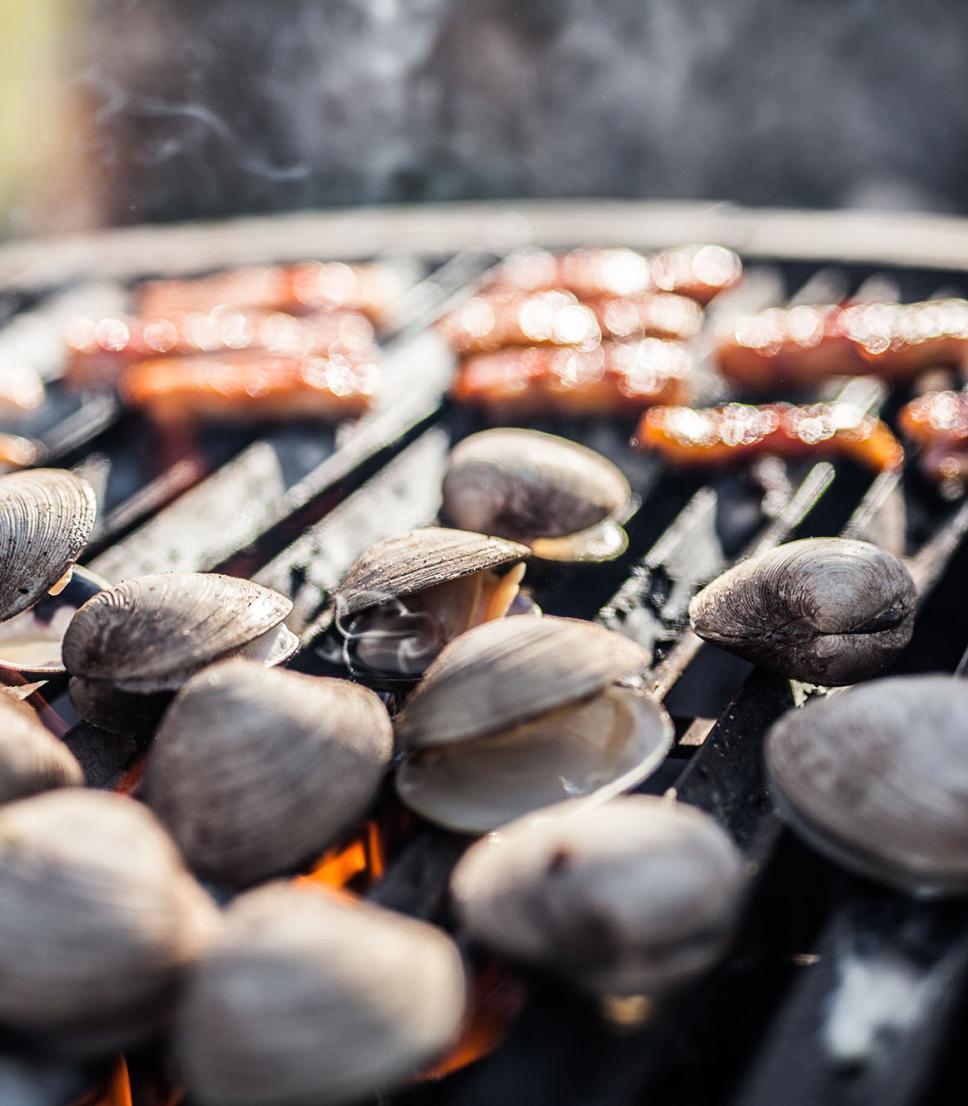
503, 673
637, 895
46, 517
150, 633
31, 758
534, 488
877, 779
310, 998
99, 920
824, 610
254, 770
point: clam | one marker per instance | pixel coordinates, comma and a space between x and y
824, 610
255, 770
132, 645
562, 499
522, 713
31, 758
409, 595
313, 998
876, 778
99, 920
636, 895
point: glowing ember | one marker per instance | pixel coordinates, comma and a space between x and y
341, 865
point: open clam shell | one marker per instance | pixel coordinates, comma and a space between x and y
254, 770
637, 895
311, 998
563, 499
877, 779
31, 758
824, 610
46, 517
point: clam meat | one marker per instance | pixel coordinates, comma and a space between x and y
823, 610
254, 770
566, 501
522, 713
311, 998
31, 758
876, 778
409, 595
636, 895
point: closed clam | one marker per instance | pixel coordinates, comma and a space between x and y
519, 714
31, 758
254, 770
636, 895
99, 920
409, 595
312, 998
132, 645
824, 610
877, 779
564, 500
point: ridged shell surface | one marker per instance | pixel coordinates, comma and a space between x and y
31, 758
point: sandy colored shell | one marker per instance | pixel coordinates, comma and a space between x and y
46, 517
254, 770
310, 998
31, 758
506, 672
524, 484
153, 627
825, 610
99, 919
636, 895
420, 559
877, 778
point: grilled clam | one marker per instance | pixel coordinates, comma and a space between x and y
825, 610
877, 779
562, 499
254, 770
519, 714
31, 758
637, 895
409, 595
132, 645
309, 997
99, 920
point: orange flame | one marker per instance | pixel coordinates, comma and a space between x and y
132, 777
362, 855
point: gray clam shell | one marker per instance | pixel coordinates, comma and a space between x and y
824, 610
308, 998
152, 629
502, 673
637, 895
99, 920
31, 758
877, 779
46, 517
420, 559
524, 485
254, 770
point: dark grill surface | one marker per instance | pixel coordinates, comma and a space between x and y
835, 991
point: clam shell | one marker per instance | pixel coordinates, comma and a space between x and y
46, 517
150, 633
877, 779
825, 610
602, 747
636, 895
106, 706
524, 485
31, 758
503, 673
420, 559
99, 920
255, 770
311, 998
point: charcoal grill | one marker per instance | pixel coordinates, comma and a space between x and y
836, 991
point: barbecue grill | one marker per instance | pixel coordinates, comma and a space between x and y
835, 991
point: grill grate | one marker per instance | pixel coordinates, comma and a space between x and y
836, 992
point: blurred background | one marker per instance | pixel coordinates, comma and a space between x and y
121, 111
